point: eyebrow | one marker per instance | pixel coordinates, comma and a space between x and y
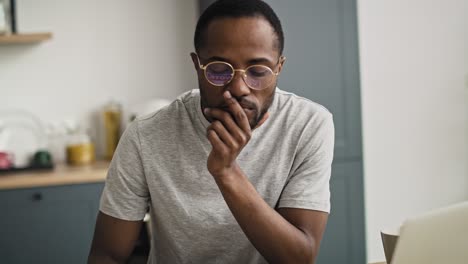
251, 61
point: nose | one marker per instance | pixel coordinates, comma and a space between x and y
237, 87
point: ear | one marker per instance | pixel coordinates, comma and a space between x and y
195, 60
282, 60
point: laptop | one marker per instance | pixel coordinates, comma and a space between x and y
438, 237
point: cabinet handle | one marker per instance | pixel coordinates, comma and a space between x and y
37, 197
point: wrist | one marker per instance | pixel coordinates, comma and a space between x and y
228, 175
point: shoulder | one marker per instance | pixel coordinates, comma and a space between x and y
309, 125
166, 115
299, 110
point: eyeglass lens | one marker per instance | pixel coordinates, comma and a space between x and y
256, 76
219, 73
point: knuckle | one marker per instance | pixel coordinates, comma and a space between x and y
216, 124
235, 145
248, 135
244, 139
226, 115
241, 139
240, 115
211, 133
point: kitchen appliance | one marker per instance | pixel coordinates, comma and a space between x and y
22, 135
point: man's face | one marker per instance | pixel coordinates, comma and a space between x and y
241, 42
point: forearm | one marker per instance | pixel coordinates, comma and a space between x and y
114, 240
273, 236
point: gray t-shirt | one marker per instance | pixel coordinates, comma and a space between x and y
160, 166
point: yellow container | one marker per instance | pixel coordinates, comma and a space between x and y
112, 122
81, 154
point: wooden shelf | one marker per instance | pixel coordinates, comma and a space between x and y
24, 38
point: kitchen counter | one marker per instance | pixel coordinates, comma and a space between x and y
62, 174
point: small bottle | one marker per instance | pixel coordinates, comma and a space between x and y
112, 116
80, 149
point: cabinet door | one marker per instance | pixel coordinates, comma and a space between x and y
343, 241
48, 225
322, 63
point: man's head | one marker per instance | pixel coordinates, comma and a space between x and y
237, 9
242, 33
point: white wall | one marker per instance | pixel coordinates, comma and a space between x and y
414, 74
122, 49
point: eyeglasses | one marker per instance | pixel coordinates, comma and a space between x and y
220, 73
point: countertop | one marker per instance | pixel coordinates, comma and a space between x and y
62, 174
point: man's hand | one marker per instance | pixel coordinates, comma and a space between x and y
228, 135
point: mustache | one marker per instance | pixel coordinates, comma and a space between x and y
244, 103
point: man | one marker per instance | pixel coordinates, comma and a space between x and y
235, 172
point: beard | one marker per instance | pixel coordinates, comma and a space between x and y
253, 121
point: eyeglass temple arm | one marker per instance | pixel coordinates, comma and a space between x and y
199, 64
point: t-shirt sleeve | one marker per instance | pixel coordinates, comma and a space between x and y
308, 186
125, 195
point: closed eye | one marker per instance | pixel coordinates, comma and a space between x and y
258, 71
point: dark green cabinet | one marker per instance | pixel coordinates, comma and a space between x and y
343, 242
48, 225
323, 65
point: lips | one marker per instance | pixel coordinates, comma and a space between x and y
247, 105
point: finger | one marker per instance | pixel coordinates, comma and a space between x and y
216, 142
223, 116
227, 119
223, 134
263, 120
237, 112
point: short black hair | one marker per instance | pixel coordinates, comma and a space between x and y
237, 9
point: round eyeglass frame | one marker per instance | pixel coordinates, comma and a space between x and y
243, 71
